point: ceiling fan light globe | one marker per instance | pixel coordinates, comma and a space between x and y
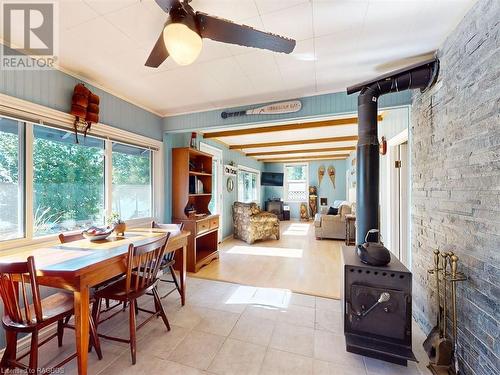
183, 44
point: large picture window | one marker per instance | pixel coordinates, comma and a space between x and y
248, 185
11, 179
296, 182
131, 181
68, 182
50, 184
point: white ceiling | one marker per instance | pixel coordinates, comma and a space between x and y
339, 42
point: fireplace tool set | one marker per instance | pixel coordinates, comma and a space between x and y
441, 350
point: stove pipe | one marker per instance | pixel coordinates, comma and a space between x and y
421, 76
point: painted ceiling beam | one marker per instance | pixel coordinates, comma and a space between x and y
288, 127
317, 157
306, 151
297, 142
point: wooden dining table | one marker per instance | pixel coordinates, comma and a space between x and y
77, 266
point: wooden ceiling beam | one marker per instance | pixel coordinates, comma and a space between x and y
288, 127
299, 142
306, 151
303, 158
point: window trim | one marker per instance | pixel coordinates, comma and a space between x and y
285, 182
35, 114
251, 170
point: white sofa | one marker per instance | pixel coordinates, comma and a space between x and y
332, 226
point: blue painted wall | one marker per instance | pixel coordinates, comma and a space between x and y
325, 190
54, 89
173, 140
312, 107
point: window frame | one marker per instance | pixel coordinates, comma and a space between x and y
109, 185
23, 111
22, 176
32, 178
287, 181
244, 168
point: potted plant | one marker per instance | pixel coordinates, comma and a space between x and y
117, 223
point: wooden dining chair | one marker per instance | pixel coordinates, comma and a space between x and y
67, 238
143, 264
26, 312
168, 260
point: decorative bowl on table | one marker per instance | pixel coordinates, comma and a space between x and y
97, 233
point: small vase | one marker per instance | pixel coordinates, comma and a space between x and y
120, 229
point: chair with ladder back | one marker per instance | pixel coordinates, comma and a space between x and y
67, 238
143, 264
169, 258
26, 312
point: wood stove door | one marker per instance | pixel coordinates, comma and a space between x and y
388, 319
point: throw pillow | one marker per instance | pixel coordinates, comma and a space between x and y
332, 211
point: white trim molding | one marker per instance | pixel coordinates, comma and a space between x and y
39, 114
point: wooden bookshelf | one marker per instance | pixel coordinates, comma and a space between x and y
188, 167
193, 173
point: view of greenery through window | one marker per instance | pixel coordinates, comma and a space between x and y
131, 181
68, 181
11, 180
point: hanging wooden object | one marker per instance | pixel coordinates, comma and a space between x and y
331, 174
85, 108
383, 146
321, 174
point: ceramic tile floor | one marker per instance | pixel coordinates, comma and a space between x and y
233, 329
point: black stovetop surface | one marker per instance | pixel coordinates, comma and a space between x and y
350, 258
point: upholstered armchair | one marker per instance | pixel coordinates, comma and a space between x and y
332, 226
252, 224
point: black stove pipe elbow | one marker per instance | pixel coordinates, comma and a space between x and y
420, 76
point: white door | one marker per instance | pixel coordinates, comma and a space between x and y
216, 203
398, 198
404, 203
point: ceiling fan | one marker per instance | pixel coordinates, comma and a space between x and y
181, 36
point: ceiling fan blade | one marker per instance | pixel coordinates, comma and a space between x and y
158, 54
166, 5
223, 30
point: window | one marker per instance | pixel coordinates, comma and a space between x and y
131, 181
11, 179
248, 185
49, 184
68, 181
296, 182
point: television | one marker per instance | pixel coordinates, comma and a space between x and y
271, 179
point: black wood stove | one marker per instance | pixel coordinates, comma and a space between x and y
377, 295
377, 309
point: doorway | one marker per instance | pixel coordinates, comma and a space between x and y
216, 203
399, 197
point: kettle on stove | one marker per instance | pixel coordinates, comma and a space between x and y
373, 253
